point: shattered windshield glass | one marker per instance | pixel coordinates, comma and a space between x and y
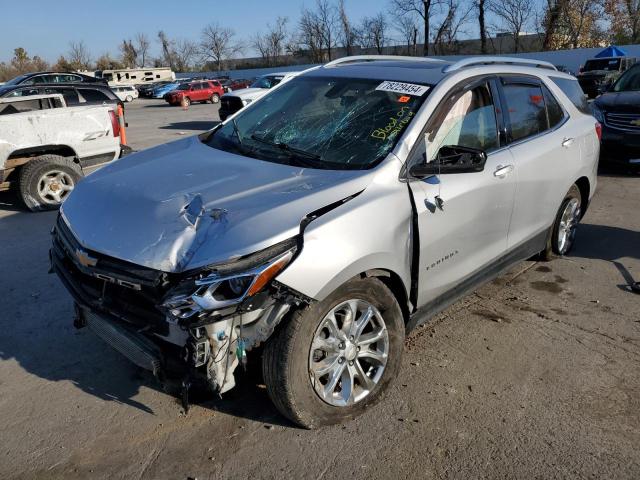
318, 122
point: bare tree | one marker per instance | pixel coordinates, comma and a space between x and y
168, 55
79, 57
272, 44
348, 34
374, 32
310, 36
407, 27
318, 29
129, 54
447, 32
143, 45
514, 16
481, 9
217, 44
423, 8
184, 53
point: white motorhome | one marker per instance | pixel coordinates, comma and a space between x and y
136, 76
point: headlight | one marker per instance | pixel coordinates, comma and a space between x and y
229, 284
246, 102
597, 112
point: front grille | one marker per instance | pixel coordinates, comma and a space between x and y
121, 289
623, 121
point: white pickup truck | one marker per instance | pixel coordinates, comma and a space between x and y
47, 147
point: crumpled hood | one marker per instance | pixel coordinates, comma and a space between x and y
185, 205
619, 102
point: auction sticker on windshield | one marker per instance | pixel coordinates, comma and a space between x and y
404, 88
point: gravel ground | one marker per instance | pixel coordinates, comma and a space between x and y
536, 375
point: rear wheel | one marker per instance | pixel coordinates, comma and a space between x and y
215, 98
46, 181
563, 232
333, 360
186, 101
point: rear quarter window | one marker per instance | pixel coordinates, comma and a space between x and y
571, 88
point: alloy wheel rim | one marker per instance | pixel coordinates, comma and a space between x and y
568, 223
348, 353
54, 186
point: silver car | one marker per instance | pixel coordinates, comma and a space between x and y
317, 226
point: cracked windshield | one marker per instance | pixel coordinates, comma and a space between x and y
329, 123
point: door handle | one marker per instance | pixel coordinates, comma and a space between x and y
567, 142
503, 170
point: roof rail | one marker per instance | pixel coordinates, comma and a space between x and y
373, 58
473, 61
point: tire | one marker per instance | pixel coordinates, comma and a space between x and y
555, 246
187, 101
43, 183
289, 363
215, 98
129, 98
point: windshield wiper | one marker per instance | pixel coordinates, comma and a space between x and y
298, 152
237, 132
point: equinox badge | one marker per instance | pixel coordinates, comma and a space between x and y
85, 259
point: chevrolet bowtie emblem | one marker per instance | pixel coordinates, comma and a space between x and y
635, 123
85, 259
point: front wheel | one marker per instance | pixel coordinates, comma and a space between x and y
128, 99
333, 359
215, 98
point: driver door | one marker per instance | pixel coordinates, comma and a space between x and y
463, 218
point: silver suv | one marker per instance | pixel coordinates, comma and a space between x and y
317, 226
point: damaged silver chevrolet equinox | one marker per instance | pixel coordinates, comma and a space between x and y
325, 220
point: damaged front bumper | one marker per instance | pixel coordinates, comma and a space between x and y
181, 329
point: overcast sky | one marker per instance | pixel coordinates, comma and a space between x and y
45, 27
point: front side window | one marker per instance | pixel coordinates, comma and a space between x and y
467, 119
525, 110
330, 123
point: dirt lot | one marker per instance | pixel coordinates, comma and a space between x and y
537, 375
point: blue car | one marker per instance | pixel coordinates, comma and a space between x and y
160, 91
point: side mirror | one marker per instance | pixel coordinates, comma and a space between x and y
451, 159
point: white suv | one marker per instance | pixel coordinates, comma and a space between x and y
327, 219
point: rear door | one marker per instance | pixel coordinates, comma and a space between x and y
463, 218
544, 147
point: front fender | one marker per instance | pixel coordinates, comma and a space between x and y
371, 231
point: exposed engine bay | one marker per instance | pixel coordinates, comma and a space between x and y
187, 329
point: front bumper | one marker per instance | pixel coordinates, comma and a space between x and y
120, 302
620, 148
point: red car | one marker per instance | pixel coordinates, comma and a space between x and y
206, 91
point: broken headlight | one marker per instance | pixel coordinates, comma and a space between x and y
226, 285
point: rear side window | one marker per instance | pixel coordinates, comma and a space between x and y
571, 88
92, 96
69, 94
554, 110
526, 110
